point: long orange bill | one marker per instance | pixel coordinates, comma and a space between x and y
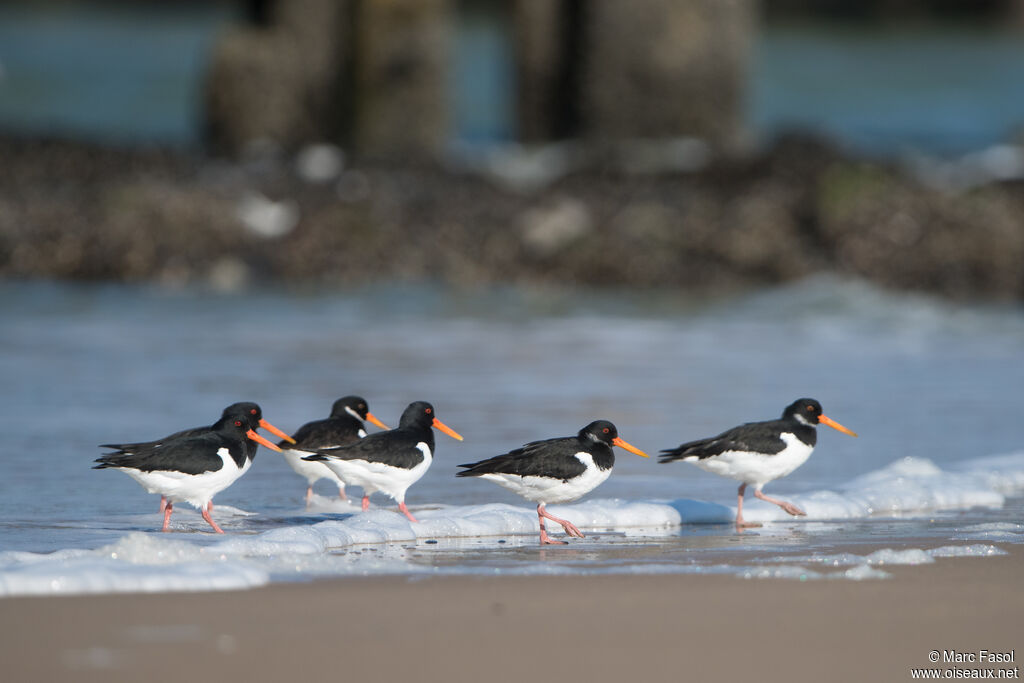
374, 420
274, 430
835, 425
632, 449
447, 430
260, 440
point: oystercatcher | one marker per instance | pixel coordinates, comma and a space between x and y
555, 470
758, 452
192, 468
245, 410
392, 461
344, 426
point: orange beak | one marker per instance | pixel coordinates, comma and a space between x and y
835, 425
632, 449
274, 430
374, 420
446, 429
260, 440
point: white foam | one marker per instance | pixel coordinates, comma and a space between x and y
138, 563
382, 541
977, 550
907, 487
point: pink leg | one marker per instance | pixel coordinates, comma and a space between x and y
163, 503
544, 538
569, 527
209, 506
341, 493
739, 510
309, 494
405, 511
209, 520
167, 515
788, 507
366, 502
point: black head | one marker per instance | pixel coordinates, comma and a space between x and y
251, 416
352, 406
808, 411
420, 415
249, 413
599, 430
605, 432
805, 410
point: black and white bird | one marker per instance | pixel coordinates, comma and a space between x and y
392, 461
194, 466
759, 452
245, 410
555, 470
343, 427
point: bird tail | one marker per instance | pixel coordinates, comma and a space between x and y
672, 454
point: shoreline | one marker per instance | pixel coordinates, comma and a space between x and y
594, 628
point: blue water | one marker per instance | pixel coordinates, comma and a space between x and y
933, 389
944, 91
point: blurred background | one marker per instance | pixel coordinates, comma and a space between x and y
678, 215
703, 145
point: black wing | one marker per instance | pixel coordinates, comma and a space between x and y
328, 433
140, 445
190, 455
396, 448
757, 437
555, 458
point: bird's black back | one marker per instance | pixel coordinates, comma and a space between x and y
553, 458
756, 437
193, 454
395, 447
250, 413
328, 433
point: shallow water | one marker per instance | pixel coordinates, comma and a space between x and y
932, 388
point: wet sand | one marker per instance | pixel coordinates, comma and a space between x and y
607, 628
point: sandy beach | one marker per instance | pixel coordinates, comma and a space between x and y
608, 628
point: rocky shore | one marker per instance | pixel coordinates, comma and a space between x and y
664, 215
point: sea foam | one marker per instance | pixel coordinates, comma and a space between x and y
378, 541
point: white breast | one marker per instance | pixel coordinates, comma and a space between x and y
312, 470
757, 469
375, 476
550, 489
195, 489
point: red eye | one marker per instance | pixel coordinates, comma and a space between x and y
252, 412
429, 411
605, 430
810, 408
238, 423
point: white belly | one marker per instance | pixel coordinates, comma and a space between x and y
549, 490
756, 469
312, 470
195, 489
375, 476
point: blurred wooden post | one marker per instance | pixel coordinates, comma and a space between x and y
666, 68
401, 76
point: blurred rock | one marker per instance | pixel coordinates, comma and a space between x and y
319, 163
78, 212
551, 228
266, 218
